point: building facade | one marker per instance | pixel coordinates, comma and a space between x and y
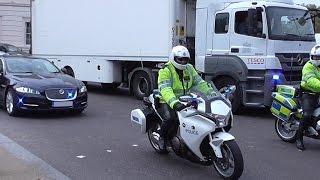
15, 24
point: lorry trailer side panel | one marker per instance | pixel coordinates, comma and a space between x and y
120, 28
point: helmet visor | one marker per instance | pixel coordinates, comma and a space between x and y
182, 60
315, 57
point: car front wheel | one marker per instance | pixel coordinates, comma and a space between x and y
11, 106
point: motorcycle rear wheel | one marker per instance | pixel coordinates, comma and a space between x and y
153, 136
230, 167
285, 133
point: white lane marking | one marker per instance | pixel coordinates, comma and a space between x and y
135, 145
109, 151
81, 156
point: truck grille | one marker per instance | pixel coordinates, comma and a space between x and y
64, 94
292, 64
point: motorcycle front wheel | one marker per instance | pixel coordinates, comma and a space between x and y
230, 167
284, 131
153, 136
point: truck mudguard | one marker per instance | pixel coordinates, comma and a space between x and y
230, 65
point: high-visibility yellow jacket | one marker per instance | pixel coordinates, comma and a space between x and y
171, 87
310, 78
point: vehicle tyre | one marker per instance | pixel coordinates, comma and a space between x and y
222, 82
11, 103
110, 85
153, 136
230, 167
141, 85
284, 132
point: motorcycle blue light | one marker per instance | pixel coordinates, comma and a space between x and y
275, 77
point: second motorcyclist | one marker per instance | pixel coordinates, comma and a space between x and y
310, 86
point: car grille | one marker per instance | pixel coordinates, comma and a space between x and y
63, 94
292, 64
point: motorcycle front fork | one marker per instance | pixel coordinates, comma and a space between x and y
216, 146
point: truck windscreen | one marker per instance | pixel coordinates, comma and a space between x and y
289, 24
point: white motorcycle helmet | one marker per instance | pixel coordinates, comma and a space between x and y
180, 57
315, 56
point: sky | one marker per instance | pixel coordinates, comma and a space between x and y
317, 2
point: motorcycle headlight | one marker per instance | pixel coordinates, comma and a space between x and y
27, 90
83, 89
221, 120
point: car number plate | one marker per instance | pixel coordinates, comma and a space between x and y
63, 104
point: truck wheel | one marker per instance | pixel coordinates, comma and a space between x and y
141, 85
110, 85
222, 82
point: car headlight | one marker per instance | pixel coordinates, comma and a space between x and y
83, 89
27, 90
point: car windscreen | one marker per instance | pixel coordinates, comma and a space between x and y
29, 65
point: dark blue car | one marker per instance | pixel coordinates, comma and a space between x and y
35, 84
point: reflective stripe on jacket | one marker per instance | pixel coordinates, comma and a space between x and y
310, 78
171, 87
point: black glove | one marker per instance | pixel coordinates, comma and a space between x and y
179, 106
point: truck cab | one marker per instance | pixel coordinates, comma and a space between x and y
252, 44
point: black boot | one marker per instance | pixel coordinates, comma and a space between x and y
162, 144
300, 144
299, 141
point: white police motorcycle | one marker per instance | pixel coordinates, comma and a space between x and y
201, 134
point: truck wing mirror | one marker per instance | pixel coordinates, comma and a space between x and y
302, 21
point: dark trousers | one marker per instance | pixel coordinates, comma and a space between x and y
169, 117
309, 103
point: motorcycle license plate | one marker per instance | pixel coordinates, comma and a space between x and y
62, 104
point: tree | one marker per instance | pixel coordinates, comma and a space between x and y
315, 11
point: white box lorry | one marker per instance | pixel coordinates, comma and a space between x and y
253, 44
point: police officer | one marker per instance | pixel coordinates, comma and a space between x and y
310, 86
176, 79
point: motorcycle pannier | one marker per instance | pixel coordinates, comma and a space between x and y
139, 118
283, 102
